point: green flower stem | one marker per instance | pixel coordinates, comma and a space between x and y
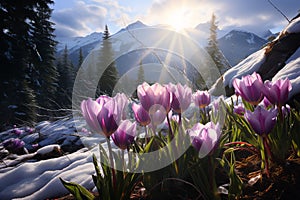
111, 162
146, 135
170, 128
268, 154
179, 121
123, 160
212, 179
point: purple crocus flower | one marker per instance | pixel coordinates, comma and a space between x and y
277, 92
201, 98
261, 120
111, 114
90, 110
141, 115
17, 131
266, 103
104, 114
13, 144
157, 115
249, 88
125, 134
239, 109
181, 97
204, 137
154, 94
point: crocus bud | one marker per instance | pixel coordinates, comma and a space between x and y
201, 98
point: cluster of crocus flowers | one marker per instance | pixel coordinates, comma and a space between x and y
252, 89
14, 145
106, 116
268, 103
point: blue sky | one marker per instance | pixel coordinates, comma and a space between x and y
82, 17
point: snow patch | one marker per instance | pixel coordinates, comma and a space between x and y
293, 27
48, 149
251, 39
292, 72
249, 65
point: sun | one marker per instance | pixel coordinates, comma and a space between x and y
177, 20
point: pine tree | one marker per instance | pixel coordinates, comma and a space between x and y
80, 58
213, 48
141, 74
17, 98
110, 76
45, 77
65, 81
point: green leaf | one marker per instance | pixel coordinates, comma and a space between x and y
79, 192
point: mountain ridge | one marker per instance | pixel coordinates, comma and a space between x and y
199, 34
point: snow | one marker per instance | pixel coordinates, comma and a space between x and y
48, 149
25, 177
251, 39
247, 66
77, 42
293, 27
292, 72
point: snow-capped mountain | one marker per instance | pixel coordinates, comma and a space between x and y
135, 25
237, 45
279, 59
86, 43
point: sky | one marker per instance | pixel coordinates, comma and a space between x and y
83, 17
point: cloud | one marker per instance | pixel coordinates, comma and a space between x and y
254, 15
79, 20
86, 17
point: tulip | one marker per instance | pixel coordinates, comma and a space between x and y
277, 92
249, 88
201, 98
141, 115
204, 137
181, 97
154, 94
124, 135
261, 120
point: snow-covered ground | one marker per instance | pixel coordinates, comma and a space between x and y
35, 175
